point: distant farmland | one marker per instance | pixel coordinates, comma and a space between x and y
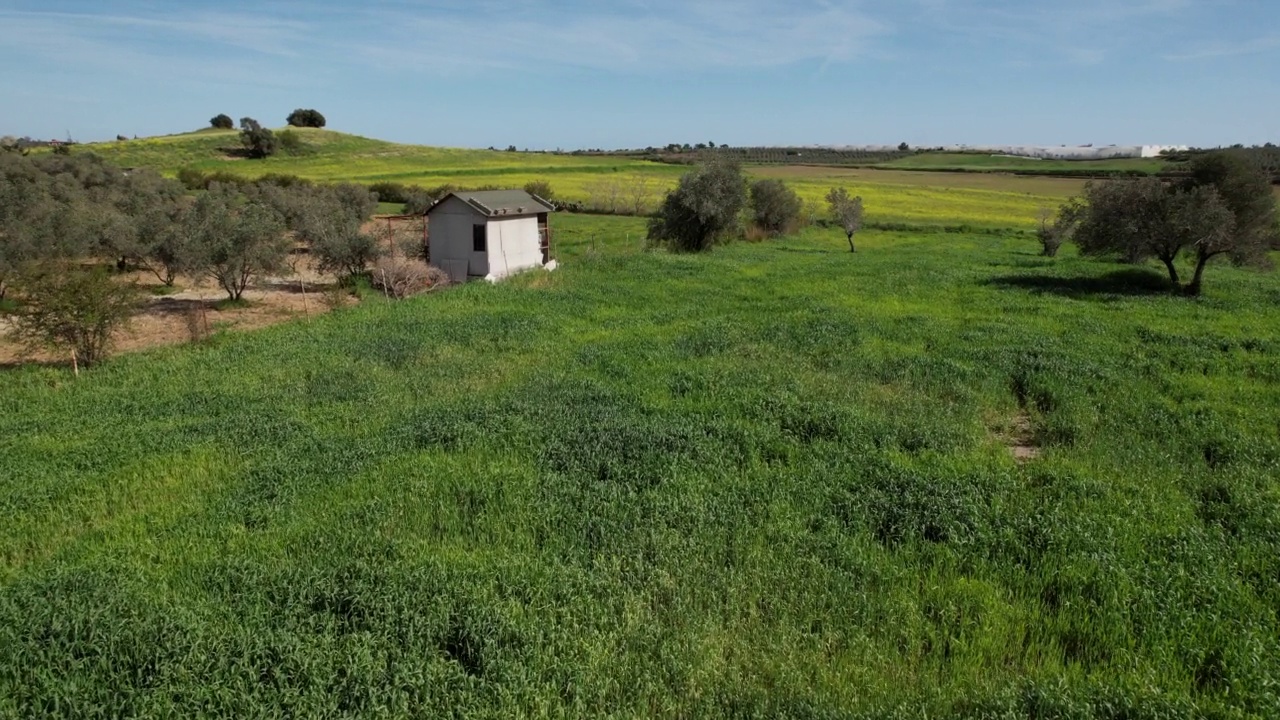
987, 201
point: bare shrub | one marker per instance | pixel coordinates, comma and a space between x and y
72, 308
1056, 227
196, 319
754, 234
775, 208
335, 296
400, 277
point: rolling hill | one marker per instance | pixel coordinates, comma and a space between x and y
892, 196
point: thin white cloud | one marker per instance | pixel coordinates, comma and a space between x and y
629, 37
1221, 50
259, 33
1084, 32
153, 49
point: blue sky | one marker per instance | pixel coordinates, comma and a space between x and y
632, 73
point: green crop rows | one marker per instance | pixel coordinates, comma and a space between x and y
772, 481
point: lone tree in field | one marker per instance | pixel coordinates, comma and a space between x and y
1144, 218
222, 121
72, 308
775, 208
305, 118
258, 141
703, 207
847, 212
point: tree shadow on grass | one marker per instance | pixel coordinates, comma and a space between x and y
1128, 282
810, 251
19, 364
177, 306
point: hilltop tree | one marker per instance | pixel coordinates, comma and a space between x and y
222, 121
1144, 218
305, 118
703, 207
775, 208
847, 212
258, 141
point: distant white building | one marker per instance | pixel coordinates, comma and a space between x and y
1069, 152
489, 234
1151, 151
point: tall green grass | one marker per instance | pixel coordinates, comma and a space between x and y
770, 481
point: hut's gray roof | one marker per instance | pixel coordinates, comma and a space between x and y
500, 203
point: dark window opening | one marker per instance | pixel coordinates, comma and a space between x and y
477, 238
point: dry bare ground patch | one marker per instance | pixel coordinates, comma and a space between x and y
197, 310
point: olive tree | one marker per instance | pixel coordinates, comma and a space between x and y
222, 121
775, 208
847, 212
44, 215
330, 223
237, 239
702, 208
1145, 218
1244, 186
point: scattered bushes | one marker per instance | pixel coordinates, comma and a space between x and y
400, 277
193, 179
345, 254
258, 142
416, 200
1057, 228
703, 208
291, 142
420, 201
393, 192
540, 188
73, 308
775, 208
305, 118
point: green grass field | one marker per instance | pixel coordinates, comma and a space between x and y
770, 481
892, 196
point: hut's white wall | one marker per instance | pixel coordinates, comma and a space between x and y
449, 231
513, 245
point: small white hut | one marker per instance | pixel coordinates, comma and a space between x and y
489, 234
